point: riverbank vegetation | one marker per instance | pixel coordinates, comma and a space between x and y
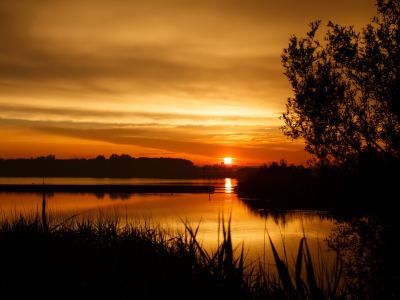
353, 186
82, 258
368, 245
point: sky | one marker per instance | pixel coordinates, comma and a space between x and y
200, 80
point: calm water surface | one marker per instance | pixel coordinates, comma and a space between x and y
217, 182
249, 227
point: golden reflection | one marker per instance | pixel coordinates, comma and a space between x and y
228, 185
247, 226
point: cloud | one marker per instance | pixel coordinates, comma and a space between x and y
208, 52
187, 140
35, 113
221, 132
177, 76
118, 136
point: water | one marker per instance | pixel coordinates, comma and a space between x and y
216, 182
249, 227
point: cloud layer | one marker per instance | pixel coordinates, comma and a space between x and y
199, 79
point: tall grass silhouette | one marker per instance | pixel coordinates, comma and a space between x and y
84, 257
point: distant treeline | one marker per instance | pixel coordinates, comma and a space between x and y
116, 166
216, 171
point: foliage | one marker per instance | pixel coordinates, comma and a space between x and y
87, 258
327, 285
353, 185
273, 179
98, 258
370, 257
75, 256
347, 90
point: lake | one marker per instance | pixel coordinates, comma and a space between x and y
249, 227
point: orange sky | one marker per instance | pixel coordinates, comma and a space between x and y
196, 79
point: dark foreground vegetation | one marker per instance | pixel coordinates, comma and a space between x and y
52, 256
362, 195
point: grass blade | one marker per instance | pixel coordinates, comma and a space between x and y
284, 274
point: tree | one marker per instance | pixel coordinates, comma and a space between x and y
347, 89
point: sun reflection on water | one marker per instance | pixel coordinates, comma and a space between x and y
228, 185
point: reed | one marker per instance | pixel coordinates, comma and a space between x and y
227, 271
327, 284
84, 257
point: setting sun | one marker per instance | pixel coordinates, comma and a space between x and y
228, 160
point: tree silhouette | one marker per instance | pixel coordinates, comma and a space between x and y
347, 89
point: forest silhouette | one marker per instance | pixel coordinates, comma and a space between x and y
116, 166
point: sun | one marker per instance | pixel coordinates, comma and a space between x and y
228, 160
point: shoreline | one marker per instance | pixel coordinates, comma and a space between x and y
108, 188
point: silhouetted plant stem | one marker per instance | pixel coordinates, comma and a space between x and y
145, 261
45, 225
